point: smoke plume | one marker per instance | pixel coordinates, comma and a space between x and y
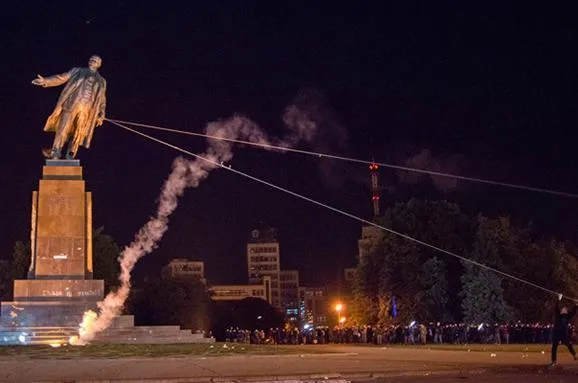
311, 119
185, 173
425, 160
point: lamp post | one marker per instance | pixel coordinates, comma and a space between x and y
339, 309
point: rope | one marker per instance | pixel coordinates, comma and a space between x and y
360, 161
342, 212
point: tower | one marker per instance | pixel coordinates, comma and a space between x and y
370, 235
375, 191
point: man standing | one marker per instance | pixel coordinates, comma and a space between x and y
79, 109
561, 331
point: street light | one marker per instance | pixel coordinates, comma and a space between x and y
339, 308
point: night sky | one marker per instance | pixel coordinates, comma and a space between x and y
485, 91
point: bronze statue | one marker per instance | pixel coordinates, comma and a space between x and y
79, 109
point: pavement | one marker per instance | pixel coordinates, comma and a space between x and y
342, 364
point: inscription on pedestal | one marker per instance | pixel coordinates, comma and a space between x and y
40, 289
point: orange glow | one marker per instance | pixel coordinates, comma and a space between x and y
339, 307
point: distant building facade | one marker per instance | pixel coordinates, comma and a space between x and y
183, 268
370, 237
349, 275
289, 290
239, 292
263, 260
314, 307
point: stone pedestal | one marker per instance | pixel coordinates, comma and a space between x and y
59, 287
49, 305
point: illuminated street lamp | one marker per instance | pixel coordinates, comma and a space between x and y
339, 308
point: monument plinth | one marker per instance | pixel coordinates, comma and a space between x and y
61, 224
59, 288
48, 306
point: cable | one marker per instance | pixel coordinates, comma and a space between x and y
315, 202
351, 159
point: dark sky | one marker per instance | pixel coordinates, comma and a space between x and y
486, 91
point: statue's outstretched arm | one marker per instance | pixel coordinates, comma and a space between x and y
55, 80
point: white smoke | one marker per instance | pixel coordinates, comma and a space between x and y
185, 173
426, 160
310, 118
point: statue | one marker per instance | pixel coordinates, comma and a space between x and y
79, 109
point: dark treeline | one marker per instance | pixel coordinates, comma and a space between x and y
429, 286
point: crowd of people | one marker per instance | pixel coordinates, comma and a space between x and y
415, 333
561, 331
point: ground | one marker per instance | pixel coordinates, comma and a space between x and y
475, 363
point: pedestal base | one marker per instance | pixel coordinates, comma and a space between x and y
51, 302
58, 289
20, 314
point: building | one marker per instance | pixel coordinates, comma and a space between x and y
371, 236
314, 307
184, 268
349, 275
289, 290
263, 260
239, 292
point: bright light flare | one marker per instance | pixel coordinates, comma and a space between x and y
87, 326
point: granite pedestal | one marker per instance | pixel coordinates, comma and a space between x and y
48, 306
59, 288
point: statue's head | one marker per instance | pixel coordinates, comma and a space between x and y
94, 62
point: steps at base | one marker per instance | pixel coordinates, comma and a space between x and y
130, 335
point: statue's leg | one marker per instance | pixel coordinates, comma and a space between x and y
72, 144
72, 149
78, 124
62, 133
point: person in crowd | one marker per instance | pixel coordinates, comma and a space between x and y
561, 330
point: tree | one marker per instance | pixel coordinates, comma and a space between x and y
519, 256
21, 256
399, 278
391, 268
434, 296
105, 253
183, 302
483, 295
246, 314
436, 222
564, 268
366, 289
5, 281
